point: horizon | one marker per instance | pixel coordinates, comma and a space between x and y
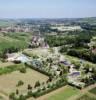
45, 18
49, 9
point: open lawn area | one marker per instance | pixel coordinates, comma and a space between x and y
8, 82
63, 93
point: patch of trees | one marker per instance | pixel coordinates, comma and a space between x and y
50, 88
84, 54
38, 69
77, 40
8, 50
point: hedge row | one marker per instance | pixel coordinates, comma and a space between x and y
48, 90
79, 87
43, 92
37, 69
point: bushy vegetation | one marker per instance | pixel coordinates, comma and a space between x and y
20, 83
10, 68
37, 84
77, 39
45, 90
83, 53
23, 70
37, 69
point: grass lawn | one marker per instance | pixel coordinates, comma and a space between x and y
5, 64
64, 94
86, 97
93, 90
9, 81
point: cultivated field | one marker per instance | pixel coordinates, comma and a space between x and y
8, 82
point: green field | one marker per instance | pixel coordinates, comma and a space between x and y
86, 97
93, 91
14, 40
65, 94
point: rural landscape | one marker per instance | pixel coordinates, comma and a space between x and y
48, 59
47, 50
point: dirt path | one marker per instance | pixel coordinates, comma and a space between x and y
45, 97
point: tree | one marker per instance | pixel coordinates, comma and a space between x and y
22, 97
20, 83
23, 70
17, 91
12, 96
37, 84
29, 87
50, 79
44, 88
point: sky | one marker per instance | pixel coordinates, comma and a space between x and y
47, 8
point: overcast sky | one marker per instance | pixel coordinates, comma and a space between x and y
47, 8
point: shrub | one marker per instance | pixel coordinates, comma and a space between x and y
37, 84
37, 69
17, 91
20, 83
48, 86
23, 70
22, 97
29, 87
12, 96
29, 94
44, 88
17, 62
